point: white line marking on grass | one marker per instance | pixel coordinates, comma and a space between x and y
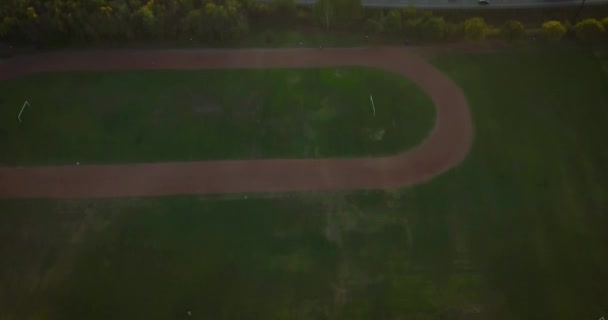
373, 107
22, 108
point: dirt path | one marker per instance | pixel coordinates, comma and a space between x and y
444, 148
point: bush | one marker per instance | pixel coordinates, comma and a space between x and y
475, 29
373, 26
605, 23
553, 31
410, 28
513, 31
589, 30
193, 23
259, 10
7, 25
569, 27
454, 31
409, 13
431, 28
493, 32
392, 22
283, 9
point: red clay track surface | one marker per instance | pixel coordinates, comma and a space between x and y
447, 144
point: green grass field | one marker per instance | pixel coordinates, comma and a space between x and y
518, 231
533, 194
106, 117
301, 257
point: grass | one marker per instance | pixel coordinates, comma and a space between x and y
157, 259
102, 117
602, 55
533, 192
516, 232
220, 259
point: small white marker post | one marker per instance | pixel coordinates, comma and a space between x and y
373, 107
22, 108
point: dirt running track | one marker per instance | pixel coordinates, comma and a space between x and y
447, 144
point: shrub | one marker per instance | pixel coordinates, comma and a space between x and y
605, 23
475, 29
431, 28
392, 22
513, 31
410, 27
343, 13
493, 31
553, 30
454, 31
348, 12
408, 13
568, 25
193, 23
283, 9
7, 25
589, 30
373, 26
259, 10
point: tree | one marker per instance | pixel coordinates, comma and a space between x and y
410, 19
111, 20
373, 26
513, 31
169, 14
431, 28
348, 11
7, 26
224, 22
324, 11
454, 31
259, 11
146, 20
589, 30
409, 13
284, 9
569, 27
392, 22
340, 12
193, 23
475, 29
553, 31
29, 22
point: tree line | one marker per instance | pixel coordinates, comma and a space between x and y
86, 20
424, 26
69, 21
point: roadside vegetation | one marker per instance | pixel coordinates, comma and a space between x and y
245, 23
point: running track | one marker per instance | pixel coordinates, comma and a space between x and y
447, 144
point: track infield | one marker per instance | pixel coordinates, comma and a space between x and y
447, 144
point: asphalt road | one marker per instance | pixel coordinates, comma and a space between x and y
468, 4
